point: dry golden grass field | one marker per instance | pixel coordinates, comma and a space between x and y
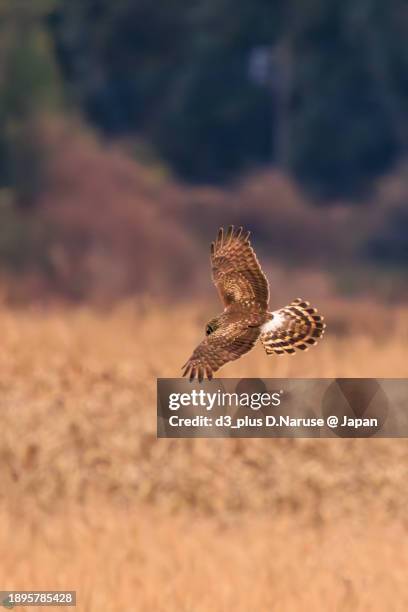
92, 501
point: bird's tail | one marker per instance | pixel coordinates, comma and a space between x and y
297, 326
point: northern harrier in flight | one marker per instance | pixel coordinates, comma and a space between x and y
244, 292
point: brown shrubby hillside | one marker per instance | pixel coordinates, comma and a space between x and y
105, 226
116, 223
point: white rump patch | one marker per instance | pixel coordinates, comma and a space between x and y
274, 324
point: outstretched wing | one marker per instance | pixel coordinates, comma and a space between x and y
236, 270
225, 344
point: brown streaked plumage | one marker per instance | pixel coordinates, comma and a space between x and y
244, 292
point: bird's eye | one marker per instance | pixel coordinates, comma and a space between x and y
209, 330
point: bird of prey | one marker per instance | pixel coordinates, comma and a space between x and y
244, 292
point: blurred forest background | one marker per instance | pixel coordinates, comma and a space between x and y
130, 130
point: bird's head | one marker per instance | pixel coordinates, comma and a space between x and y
212, 326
